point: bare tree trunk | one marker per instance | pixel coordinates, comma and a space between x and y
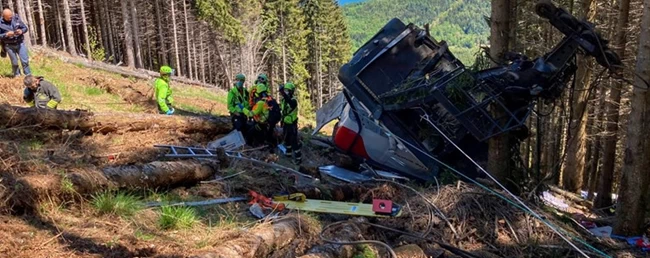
202, 57
41, 18
162, 55
594, 161
187, 41
500, 154
84, 24
128, 34
606, 178
21, 10
30, 21
60, 24
68, 28
630, 211
284, 51
11, 5
136, 34
576, 151
177, 57
194, 59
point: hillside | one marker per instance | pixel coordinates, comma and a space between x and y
51, 205
459, 22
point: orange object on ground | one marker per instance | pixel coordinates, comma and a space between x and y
264, 201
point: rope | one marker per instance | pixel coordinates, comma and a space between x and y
547, 223
531, 211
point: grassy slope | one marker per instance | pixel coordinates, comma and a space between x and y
111, 224
78, 91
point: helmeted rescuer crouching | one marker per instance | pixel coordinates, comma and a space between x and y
40, 93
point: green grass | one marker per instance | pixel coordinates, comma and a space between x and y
121, 204
365, 252
201, 94
143, 236
67, 186
177, 217
94, 91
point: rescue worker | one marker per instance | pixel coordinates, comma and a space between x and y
289, 122
266, 115
40, 93
163, 92
237, 103
12, 36
261, 79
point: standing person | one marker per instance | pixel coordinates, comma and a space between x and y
237, 103
266, 115
40, 93
289, 122
12, 31
261, 79
163, 92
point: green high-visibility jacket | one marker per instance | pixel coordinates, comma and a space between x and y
259, 112
289, 109
236, 97
163, 94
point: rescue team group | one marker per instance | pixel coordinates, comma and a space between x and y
254, 113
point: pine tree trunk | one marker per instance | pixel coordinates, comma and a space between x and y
41, 18
175, 29
23, 15
202, 57
68, 28
606, 178
11, 5
30, 21
162, 51
500, 154
187, 41
284, 46
194, 59
136, 34
84, 24
594, 161
576, 151
630, 211
128, 35
60, 25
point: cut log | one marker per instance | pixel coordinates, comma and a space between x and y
105, 123
410, 251
263, 240
571, 196
33, 189
348, 232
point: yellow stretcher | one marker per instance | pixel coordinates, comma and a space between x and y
299, 202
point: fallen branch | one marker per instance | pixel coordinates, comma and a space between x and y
30, 190
570, 196
104, 123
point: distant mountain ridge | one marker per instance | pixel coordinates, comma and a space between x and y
459, 22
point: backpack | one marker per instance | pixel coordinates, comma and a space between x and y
275, 115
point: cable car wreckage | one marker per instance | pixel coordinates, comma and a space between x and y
408, 104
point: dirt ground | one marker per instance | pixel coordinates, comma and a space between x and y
468, 217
